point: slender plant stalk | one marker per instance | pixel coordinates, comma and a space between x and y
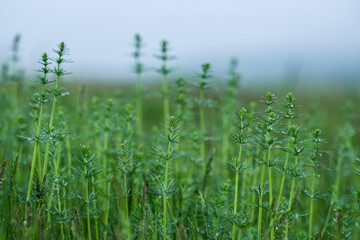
204, 76
139, 104
311, 214
165, 190
108, 190
127, 207
56, 169
270, 178
138, 70
52, 117
59, 72
87, 204
225, 137
236, 195
95, 208
285, 166
291, 198
166, 100
261, 193
36, 145
254, 181
202, 129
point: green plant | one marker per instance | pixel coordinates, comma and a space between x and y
166, 155
237, 165
205, 75
87, 170
138, 69
165, 71
56, 92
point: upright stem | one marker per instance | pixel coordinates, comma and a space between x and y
65, 209
164, 200
165, 190
52, 117
56, 166
166, 100
202, 129
270, 178
225, 137
311, 215
291, 198
254, 180
127, 207
138, 104
285, 166
87, 204
261, 193
107, 188
236, 195
33, 161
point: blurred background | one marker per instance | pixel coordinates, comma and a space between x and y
303, 42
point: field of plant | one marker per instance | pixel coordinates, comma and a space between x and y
176, 158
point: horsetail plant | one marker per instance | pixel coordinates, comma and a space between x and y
86, 171
138, 69
289, 115
171, 138
107, 173
180, 97
294, 170
13, 73
40, 100
142, 196
314, 164
237, 165
125, 158
165, 71
229, 104
57, 92
218, 210
266, 142
205, 75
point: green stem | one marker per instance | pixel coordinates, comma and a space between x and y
270, 178
33, 161
292, 191
261, 193
164, 203
311, 216
165, 190
202, 129
291, 198
254, 180
127, 207
166, 100
139, 104
107, 186
87, 204
65, 209
56, 166
225, 137
236, 195
285, 166
52, 117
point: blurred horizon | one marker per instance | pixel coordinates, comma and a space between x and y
307, 41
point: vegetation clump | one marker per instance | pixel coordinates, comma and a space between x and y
104, 164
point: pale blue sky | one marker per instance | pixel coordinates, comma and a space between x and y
323, 36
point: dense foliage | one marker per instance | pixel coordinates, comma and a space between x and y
199, 162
